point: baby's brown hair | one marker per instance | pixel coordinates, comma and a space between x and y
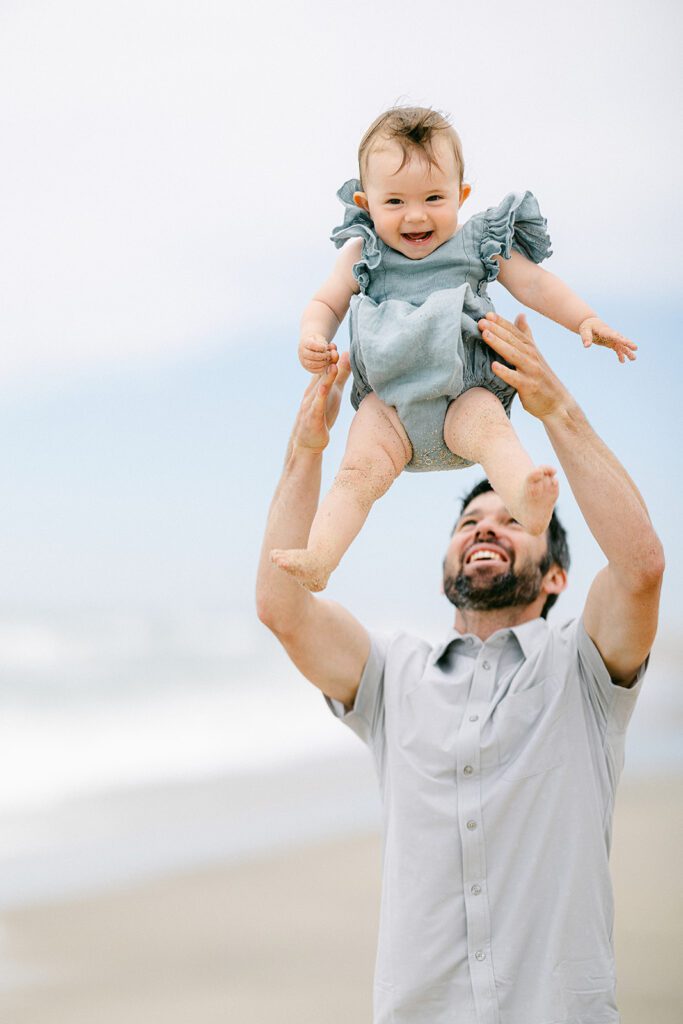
414, 128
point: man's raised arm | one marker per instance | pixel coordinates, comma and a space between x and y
623, 603
323, 640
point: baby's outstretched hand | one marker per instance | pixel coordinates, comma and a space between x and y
316, 353
595, 331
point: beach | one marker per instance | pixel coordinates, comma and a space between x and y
290, 936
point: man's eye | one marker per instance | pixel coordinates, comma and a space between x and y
468, 522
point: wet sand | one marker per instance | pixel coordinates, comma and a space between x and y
291, 938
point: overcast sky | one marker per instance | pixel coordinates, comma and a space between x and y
169, 169
167, 188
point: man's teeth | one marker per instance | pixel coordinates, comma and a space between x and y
488, 556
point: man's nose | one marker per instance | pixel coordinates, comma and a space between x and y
485, 530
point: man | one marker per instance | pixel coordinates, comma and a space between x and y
498, 751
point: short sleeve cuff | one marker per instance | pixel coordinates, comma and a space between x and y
619, 701
364, 717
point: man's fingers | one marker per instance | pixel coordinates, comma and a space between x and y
325, 382
499, 341
495, 321
506, 373
522, 324
499, 329
343, 369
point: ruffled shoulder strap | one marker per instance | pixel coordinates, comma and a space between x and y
515, 224
357, 224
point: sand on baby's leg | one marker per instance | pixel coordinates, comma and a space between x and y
377, 451
477, 429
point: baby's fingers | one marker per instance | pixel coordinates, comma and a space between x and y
314, 344
586, 336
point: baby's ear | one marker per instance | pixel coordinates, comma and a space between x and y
360, 199
465, 190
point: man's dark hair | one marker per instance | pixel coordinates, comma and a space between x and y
558, 548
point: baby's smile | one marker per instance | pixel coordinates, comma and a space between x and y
417, 237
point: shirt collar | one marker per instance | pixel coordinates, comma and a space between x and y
527, 636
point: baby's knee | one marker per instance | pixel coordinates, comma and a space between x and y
369, 475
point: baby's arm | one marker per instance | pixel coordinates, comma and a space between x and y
540, 290
327, 309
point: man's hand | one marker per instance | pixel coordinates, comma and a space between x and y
316, 353
595, 331
540, 391
320, 406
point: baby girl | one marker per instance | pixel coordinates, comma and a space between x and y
428, 391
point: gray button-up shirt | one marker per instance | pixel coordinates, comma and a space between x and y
498, 764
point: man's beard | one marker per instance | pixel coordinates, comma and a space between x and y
506, 590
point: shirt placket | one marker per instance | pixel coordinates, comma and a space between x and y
472, 837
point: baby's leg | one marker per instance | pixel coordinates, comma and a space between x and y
477, 429
376, 452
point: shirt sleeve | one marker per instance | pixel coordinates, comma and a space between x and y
366, 717
612, 705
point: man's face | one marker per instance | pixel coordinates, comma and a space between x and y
492, 562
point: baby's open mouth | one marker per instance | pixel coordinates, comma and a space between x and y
417, 236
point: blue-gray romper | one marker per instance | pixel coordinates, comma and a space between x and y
414, 335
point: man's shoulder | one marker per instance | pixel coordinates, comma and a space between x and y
398, 646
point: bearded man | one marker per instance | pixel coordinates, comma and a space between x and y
498, 751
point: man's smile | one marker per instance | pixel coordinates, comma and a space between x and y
486, 552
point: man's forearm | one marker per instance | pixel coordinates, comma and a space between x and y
280, 600
607, 496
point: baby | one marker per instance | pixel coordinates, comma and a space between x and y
424, 384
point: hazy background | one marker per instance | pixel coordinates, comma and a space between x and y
167, 188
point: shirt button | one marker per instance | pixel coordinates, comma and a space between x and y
468, 769
471, 825
480, 955
486, 664
474, 718
476, 890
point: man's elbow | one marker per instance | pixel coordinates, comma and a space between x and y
268, 611
277, 616
648, 571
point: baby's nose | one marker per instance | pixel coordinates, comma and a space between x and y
416, 213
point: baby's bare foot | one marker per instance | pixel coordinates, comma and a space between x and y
306, 567
537, 500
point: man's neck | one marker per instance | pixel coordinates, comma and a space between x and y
484, 624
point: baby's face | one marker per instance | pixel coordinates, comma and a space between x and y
415, 209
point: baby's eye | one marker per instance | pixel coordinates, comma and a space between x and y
393, 202
434, 199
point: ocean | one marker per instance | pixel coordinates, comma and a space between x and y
136, 745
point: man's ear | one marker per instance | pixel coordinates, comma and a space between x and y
360, 199
465, 190
555, 580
